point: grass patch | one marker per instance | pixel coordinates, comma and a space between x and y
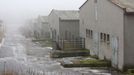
44, 42
69, 53
96, 63
93, 56
9, 73
36, 40
87, 63
72, 51
130, 72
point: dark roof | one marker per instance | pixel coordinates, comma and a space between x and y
128, 5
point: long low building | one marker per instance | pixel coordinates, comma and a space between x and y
43, 27
63, 22
108, 26
64, 25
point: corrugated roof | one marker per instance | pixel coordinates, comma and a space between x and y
127, 4
67, 14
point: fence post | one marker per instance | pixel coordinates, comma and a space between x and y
63, 44
65, 35
76, 42
84, 43
79, 46
58, 38
73, 41
4, 67
70, 36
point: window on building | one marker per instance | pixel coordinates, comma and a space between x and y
104, 37
89, 33
101, 36
108, 37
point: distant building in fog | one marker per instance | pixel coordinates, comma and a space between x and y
43, 27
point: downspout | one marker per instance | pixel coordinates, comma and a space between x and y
124, 9
96, 22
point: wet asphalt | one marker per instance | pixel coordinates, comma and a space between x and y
17, 47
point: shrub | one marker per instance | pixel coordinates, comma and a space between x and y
96, 63
130, 72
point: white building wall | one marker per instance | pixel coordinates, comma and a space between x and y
111, 21
108, 19
70, 26
129, 41
87, 21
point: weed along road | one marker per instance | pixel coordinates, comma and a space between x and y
21, 56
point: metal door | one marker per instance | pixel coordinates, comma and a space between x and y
114, 45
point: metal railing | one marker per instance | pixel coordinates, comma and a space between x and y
68, 41
77, 43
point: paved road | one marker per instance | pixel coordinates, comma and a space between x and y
22, 56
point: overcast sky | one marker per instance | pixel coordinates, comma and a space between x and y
15, 12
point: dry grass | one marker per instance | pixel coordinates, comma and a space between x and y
9, 73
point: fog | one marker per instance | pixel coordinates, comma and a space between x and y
15, 12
